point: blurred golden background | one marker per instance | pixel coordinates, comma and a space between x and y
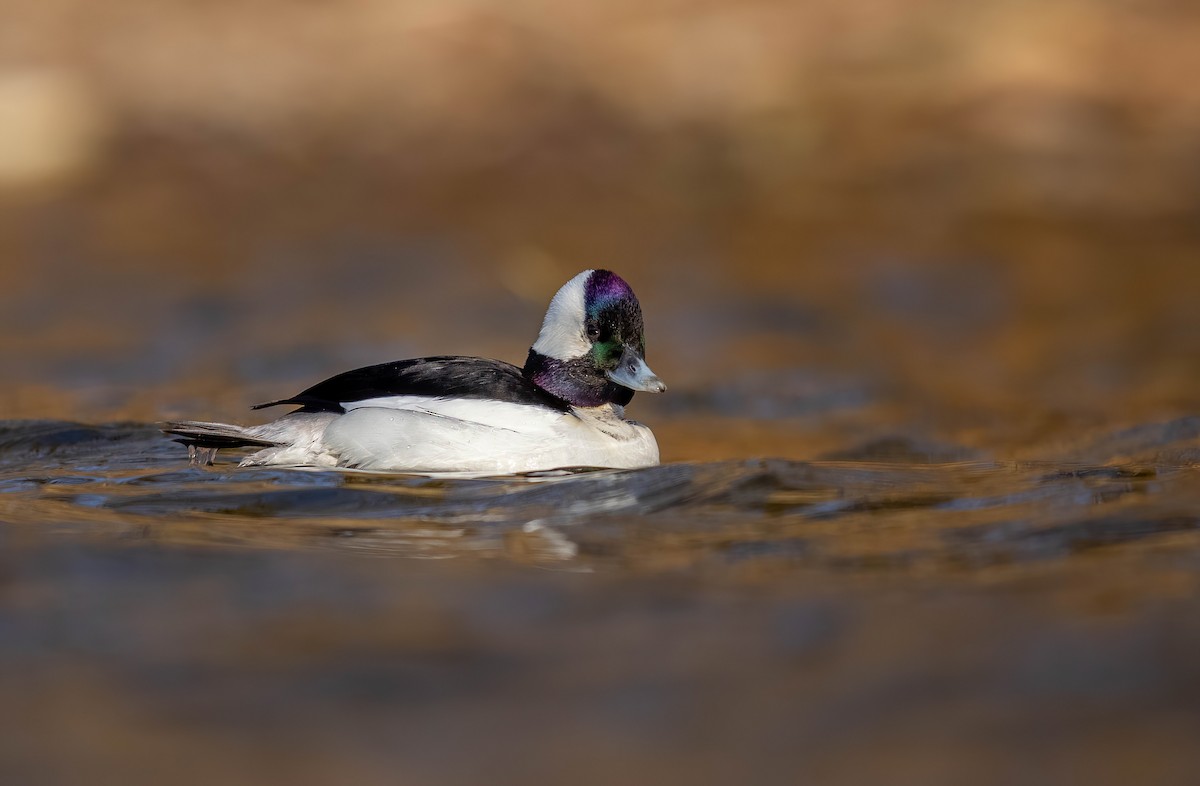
982, 218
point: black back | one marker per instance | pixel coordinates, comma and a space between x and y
442, 376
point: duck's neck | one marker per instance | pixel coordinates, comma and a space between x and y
576, 381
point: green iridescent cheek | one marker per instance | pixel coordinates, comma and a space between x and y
607, 353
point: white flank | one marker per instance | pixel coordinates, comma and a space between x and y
380, 438
562, 334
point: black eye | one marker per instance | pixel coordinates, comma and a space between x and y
593, 333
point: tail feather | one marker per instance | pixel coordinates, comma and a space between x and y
204, 439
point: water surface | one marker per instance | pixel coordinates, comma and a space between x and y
752, 620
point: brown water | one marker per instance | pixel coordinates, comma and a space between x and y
941, 577
921, 276
742, 621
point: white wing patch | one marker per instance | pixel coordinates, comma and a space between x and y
562, 336
485, 412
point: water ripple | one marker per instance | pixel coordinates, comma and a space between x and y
128, 480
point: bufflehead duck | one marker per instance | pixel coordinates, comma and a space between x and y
565, 408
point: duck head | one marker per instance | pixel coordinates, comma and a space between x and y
591, 349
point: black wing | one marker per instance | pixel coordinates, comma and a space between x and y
446, 376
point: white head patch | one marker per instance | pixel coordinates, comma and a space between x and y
562, 335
